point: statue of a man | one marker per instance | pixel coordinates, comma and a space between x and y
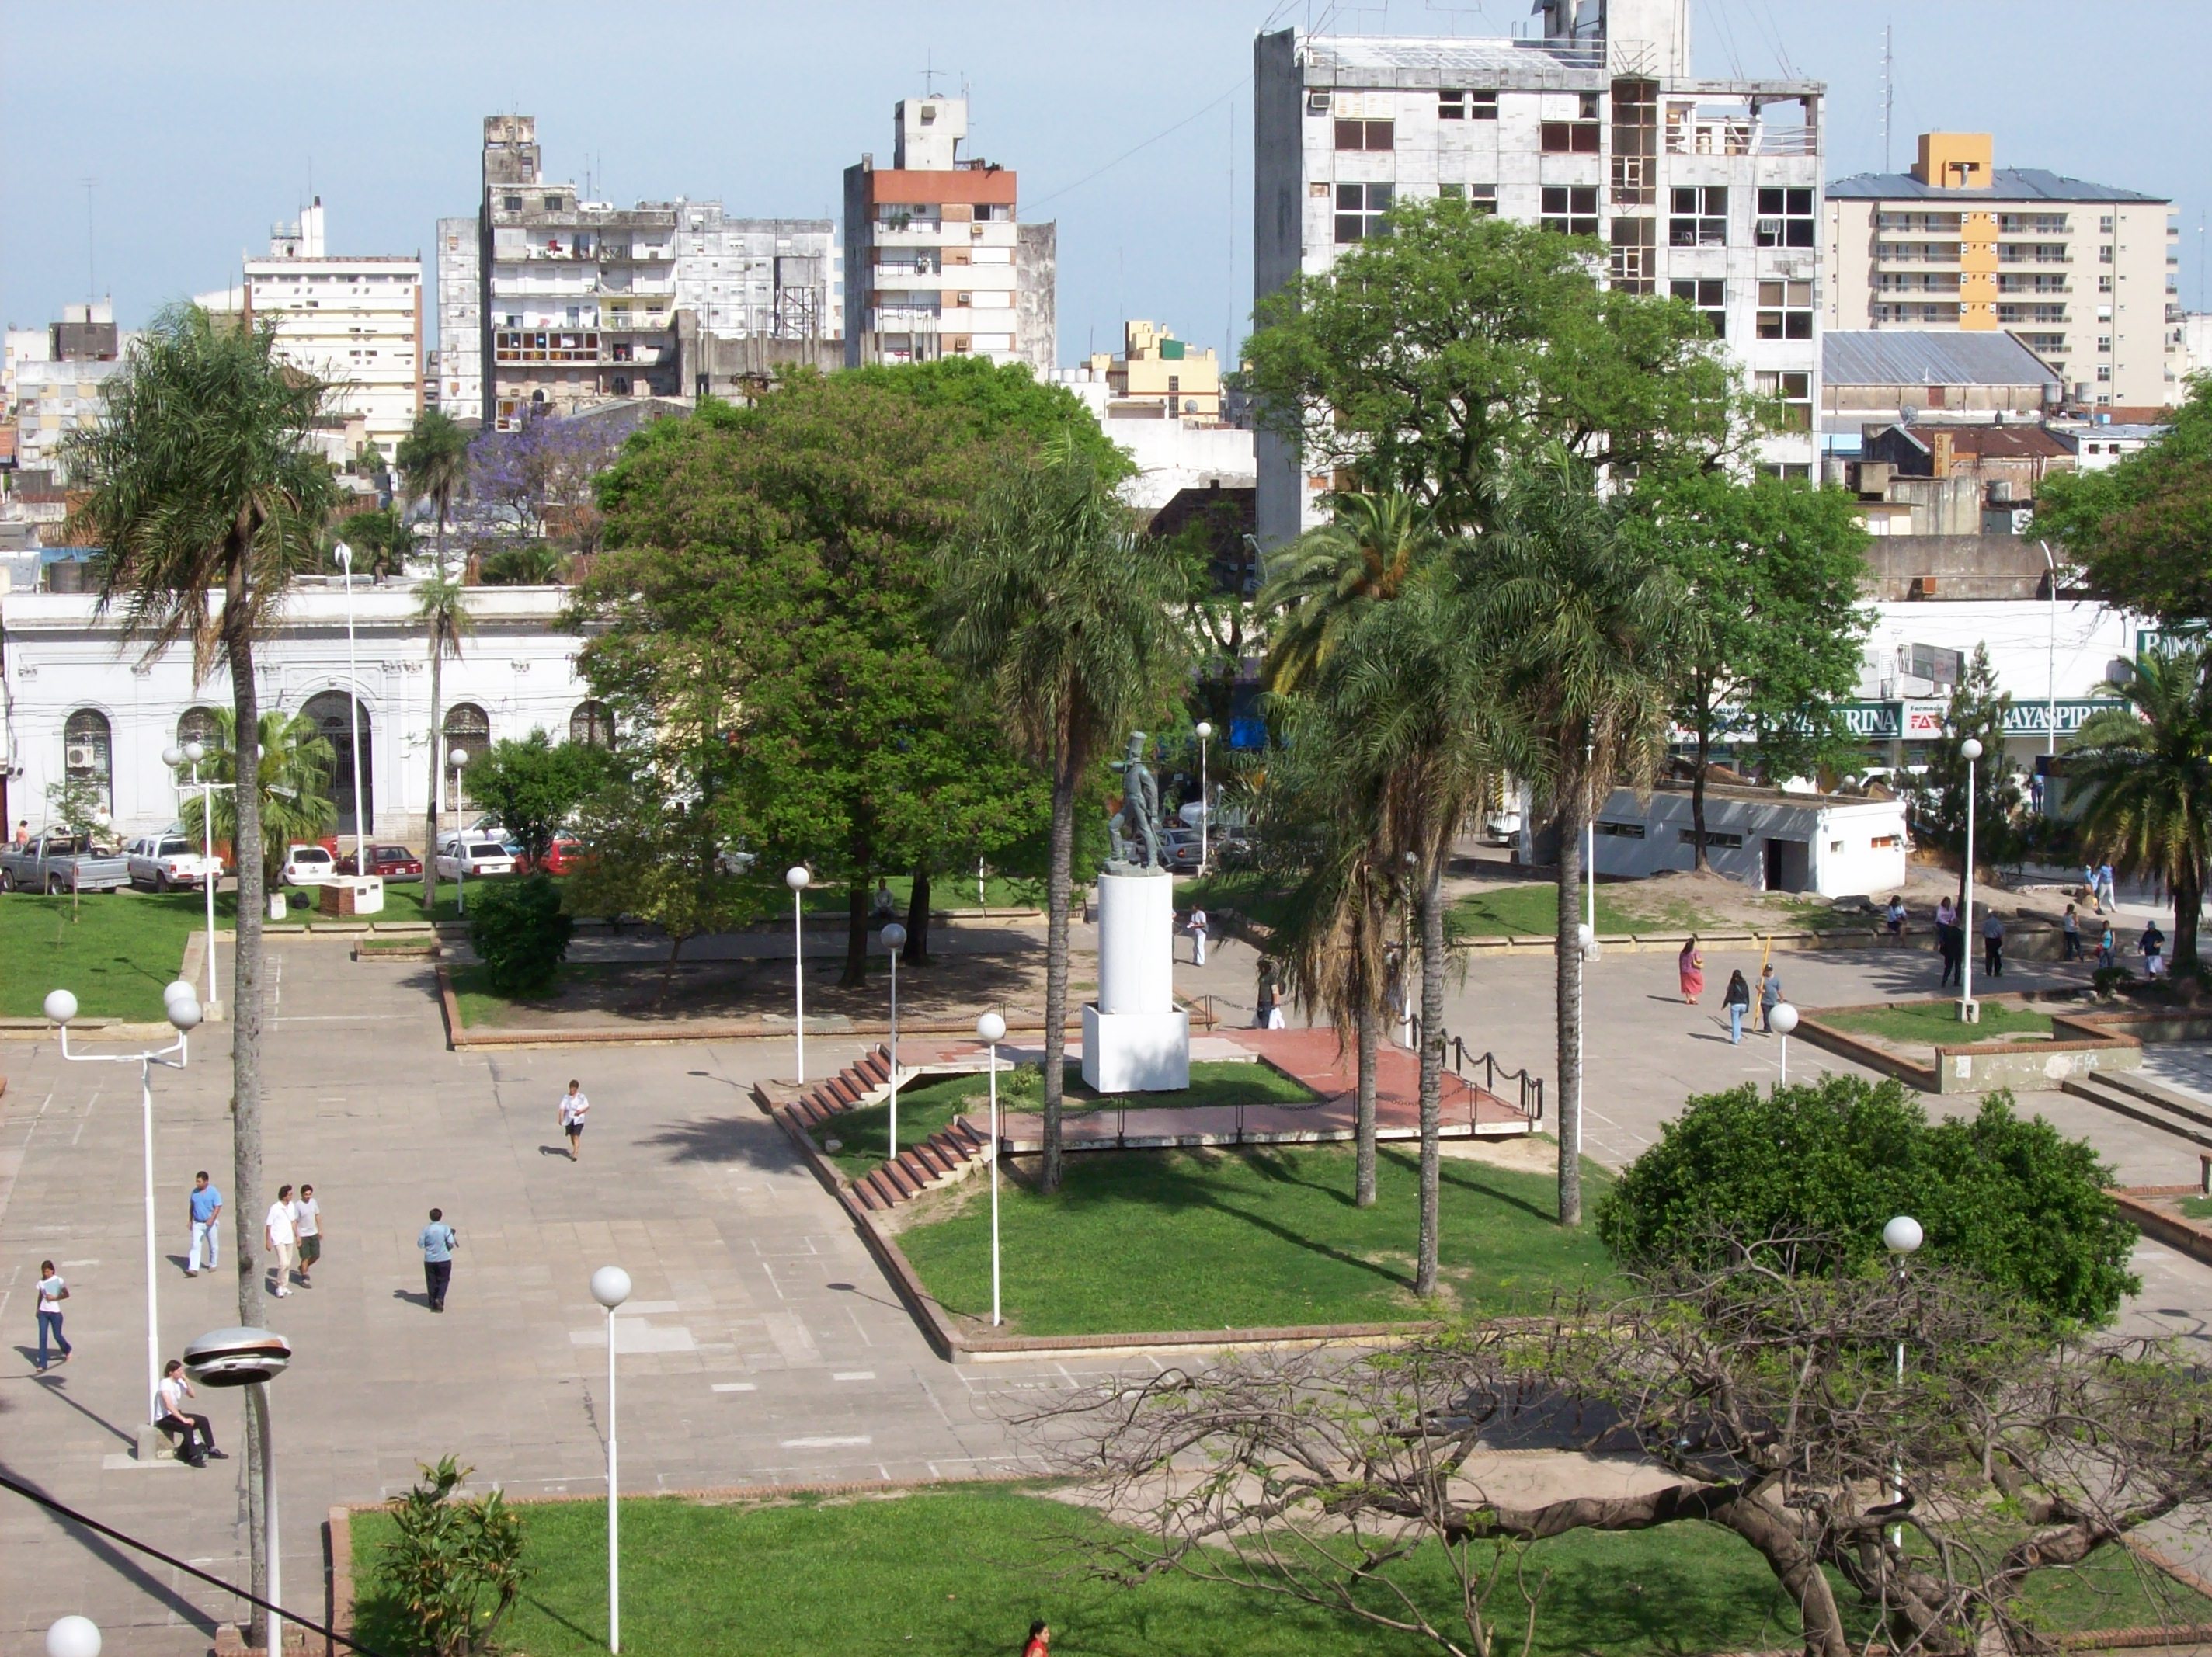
1134, 830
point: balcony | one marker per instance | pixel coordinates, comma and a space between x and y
1916, 253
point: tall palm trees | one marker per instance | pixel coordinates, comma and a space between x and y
1069, 617
200, 482
294, 796
2148, 773
433, 460
1374, 545
441, 607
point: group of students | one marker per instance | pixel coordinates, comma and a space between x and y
1690, 970
1951, 939
292, 1232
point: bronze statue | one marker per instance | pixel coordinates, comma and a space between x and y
1134, 830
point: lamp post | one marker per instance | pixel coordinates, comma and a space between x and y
2050, 686
1782, 1021
73, 1636
1205, 799
1902, 1237
240, 1356
894, 941
194, 754
611, 1288
1968, 1012
457, 758
183, 1009
798, 879
353, 706
993, 1030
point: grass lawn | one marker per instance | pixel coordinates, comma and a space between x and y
924, 1108
2197, 1208
1533, 910
952, 1571
1929, 1022
1251, 894
114, 957
1160, 1239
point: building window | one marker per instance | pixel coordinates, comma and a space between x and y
1715, 840
1365, 134
1794, 390
2104, 373
1785, 310
87, 747
1701, 218
1621, 830
592, 724
1359, 210
1710, 295
2105, 224
1785, 217
1635, 143
197, 724
468, 729
1569, 139
1464, 106
2105, 254
1635, 248
1570, 210
512, 203
1479, 197
2104, 284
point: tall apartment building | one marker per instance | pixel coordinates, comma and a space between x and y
2084, 275
460, 321
760, 279
55, 381
1705, 189
354, 322
937, 261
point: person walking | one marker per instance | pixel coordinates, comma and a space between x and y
2154, 950
2069, 928
2089, 887
1737, 999
1690, 971
193, 1434
308, 1223
52, 1292
1992, 945
2106, 945
280, 1236
1947, 940
2108, 896
204, 1203
438, 1242
1770, 996
1263, 1005
1895, 915
1039, 1644
1198, 925
574, 1107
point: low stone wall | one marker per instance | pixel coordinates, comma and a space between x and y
2080, 1047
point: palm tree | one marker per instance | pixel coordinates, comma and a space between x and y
1330, 574
441, 605
2148, 773
201, 481
294, 768
434, 459
1585, 632
1058, 604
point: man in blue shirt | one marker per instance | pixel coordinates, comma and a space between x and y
437, 1242
205, 1203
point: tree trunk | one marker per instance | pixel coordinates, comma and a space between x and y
1795, 1568
856, 934
917, 953
2188, 898
1058, 884
1432, 1069
1363, 1179
437, 761
1569, 1114
245, 1035
1701, 765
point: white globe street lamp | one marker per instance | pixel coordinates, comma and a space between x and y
894, 936
1902, 1237
73, 1636
1782, 1021
1205, 797
458, 759
993, 1030
353, 706
798, 879
252, 1358
1970, 750
611, 1288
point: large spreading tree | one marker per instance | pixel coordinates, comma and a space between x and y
2141, 531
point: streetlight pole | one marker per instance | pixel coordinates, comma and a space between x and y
195, 754
184, 1014
352, 711
1902, 1237
797, 879
1782, 1021
993, 1029
249, 1358
1968, 1012
456, 758
611, 1288
1204, 798
894, 941
2050, 688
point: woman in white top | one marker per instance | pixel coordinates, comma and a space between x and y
280, 1233
52, 1292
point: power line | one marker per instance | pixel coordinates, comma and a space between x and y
1165, 132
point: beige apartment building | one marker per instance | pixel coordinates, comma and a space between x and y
2083, 275
1158, 375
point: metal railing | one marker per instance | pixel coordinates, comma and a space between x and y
1532, 1087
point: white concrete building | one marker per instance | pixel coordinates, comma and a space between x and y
1172, 452
460, 321
759, 278
1829, 844
354, 323
56, 379
77, 701
1705, 189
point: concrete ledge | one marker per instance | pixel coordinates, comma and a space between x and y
2175, 1230
1984, 1066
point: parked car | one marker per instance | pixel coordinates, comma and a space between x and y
391, 862
309, 865
475, 854
561, 857
161, 861
62, 863
1181, 847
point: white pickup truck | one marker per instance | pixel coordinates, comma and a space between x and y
162, 861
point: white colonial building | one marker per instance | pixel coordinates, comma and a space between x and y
77, 701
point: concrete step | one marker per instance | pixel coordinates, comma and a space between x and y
901, 1182
867, 1194
916, 1169
2157, 1093
874, 1069
2099, 1090
844, 1091
887, 1194
934, 1161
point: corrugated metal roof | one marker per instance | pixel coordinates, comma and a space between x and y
1909, 357
2032, 184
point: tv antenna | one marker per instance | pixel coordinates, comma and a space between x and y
91, 267
929, 74
1888, 91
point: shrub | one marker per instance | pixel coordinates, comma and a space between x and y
455, 1569
520, 933
2013, 1201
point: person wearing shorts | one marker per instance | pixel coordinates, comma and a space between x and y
574, 1108
307, 1221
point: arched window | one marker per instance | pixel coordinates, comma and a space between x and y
334, 723
592, 724
469, 729
88, 751
197, 724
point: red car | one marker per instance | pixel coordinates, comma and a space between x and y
560, 858
391, 862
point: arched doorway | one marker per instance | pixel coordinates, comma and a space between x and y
88, 757
329, 711
592, 724
469, 729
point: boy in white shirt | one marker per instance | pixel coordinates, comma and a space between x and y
280, 1233
307, 1226
574, 1108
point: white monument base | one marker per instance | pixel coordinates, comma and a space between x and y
1136, 1052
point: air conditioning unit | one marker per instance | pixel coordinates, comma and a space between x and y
82, 756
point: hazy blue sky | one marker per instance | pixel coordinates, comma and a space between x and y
203, 122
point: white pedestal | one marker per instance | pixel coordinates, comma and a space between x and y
1135, 1038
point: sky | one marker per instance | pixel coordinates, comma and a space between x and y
198, 126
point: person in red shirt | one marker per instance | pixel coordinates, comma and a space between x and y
1040, 1641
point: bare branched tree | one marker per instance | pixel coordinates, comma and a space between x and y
1763, 1401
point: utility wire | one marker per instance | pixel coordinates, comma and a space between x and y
259, 1603
1147, 143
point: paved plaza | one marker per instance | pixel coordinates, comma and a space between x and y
761, 1345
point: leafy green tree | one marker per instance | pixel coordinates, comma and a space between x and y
1771, 566
534, 786
520, 933
1939, 805
1588, 633
382, 541
1064, 618
1822, 1168
532, 564
296, 761
2141, 531
1425, 360
999, 401
453, 1569
434, 461
441, 606
77, 805
2147, 771
1375, 544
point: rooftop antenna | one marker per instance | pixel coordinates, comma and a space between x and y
1888, 91
91, 267
929, 74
